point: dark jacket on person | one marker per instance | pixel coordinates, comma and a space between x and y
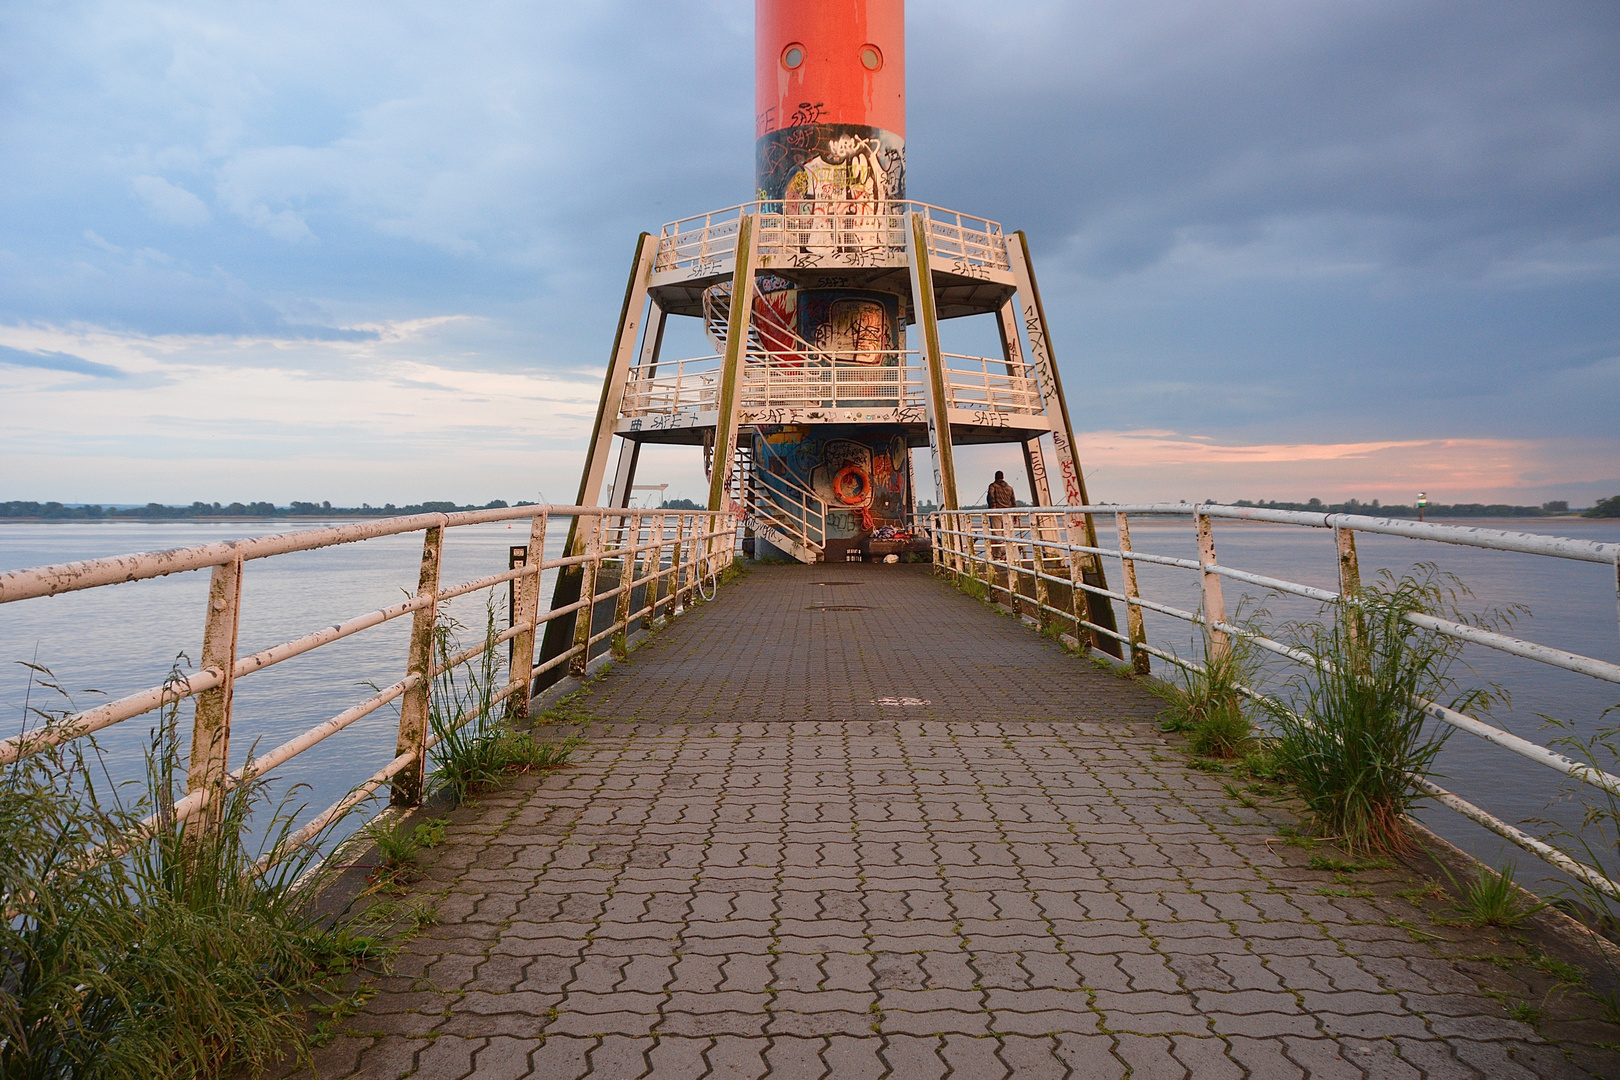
1000, 496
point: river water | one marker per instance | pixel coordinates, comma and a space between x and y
108, 642
126, 638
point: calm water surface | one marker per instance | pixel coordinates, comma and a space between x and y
126, 638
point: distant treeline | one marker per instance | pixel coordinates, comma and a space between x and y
1609, 507
1605, 508
55, 511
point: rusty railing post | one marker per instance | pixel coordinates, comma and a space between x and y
1136, 626
1214, 602
1349, 578
965, 526
1349, 565
1037, 562
707, 552
517, 556
694, 559
526, 610
678, 567
1079, 609
655, 564
953, 549
416, 706
211, 718
586, 615
1014, 554
627, 581
996, 526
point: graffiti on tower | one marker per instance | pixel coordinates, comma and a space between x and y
819, 170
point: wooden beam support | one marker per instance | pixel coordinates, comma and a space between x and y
559, 633
742, 304
1082, 530
939, 417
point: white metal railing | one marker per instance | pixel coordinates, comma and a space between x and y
668, 388
978, 382
667, 553
891, 378
1026, 546
882, 379
874, 229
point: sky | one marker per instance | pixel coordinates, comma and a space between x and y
374, 252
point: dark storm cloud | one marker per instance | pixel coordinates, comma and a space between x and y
1412, 133
1290, 220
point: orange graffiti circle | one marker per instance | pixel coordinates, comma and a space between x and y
863, 485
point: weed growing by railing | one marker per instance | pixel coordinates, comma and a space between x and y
970, 584
1598, 836
182, 958
1207, 702
476, 748
1353, 737
398, 846
1493, 898
1597, 840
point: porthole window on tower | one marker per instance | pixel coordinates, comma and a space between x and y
793, 56
871, 57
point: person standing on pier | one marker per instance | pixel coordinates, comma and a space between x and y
999, 496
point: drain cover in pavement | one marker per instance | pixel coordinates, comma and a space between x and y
900, 701
837, 607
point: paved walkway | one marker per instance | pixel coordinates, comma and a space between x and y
755, 870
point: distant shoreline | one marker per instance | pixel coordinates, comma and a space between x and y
28, 511
141, 519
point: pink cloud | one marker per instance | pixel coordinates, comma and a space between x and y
1151, 464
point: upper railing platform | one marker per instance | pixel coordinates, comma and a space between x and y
965, 252
870, 229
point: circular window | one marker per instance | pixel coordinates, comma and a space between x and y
871, 57
793, 56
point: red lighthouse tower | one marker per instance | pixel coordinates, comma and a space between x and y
822, 300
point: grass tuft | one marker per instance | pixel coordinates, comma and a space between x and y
1207, 702
477, 750
397, 848
1561, 970
1493, 898
1429, 889
1355, 737
973, 587
1260, 762
182, 958
1526, 1013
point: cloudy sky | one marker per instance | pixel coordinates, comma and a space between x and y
374, 251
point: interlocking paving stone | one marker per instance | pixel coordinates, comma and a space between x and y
753, 870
